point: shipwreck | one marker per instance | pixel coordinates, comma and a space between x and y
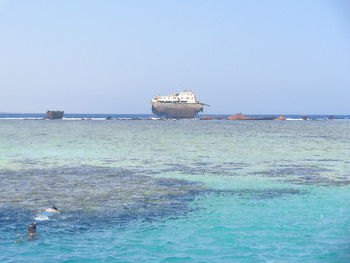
54, 115
182, 105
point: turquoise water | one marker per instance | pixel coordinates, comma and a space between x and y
176, 191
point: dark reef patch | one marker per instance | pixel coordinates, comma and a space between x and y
320, 182
90, 188
93, 197
201, 163
236, 164
260, 194
323, 160
301, 171
28, 162
199, 168
326, 137
304, 174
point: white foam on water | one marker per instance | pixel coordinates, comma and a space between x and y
41, 218
71, 119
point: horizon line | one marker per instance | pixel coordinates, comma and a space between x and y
335, 114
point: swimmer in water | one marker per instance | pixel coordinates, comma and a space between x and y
50, 211
31, 230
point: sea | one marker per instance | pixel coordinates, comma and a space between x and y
140, 189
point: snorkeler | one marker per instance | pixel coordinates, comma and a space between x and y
45, 214
50, 211
31, 230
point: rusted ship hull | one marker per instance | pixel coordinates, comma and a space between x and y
177, 110
53, 115
242, 117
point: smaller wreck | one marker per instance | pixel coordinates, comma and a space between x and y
240, 116
54, 115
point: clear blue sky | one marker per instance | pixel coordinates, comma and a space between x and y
258, 56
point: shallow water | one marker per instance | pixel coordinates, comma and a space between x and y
176, 191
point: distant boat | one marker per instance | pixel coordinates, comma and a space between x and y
54, 115
177, 106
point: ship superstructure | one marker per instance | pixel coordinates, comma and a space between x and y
182, 105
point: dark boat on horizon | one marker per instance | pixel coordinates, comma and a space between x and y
54, 115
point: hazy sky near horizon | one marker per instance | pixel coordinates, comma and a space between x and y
85, 56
